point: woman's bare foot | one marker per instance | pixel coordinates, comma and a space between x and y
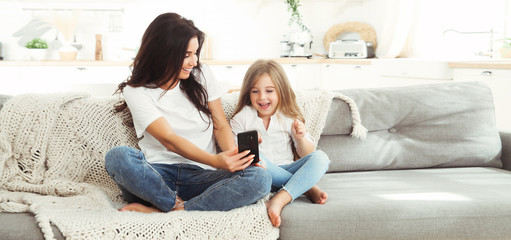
179, 205
137, 207
275, 206
316, 195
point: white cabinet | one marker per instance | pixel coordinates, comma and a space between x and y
9, 80
388, 81
96, 80
480, 74
232, 75
343, 76
303, 76
380, 73
499, 80
405, 72
383, 73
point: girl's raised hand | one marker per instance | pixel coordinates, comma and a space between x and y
233, 161
298, 129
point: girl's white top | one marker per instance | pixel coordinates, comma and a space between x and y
277, 140
147, 105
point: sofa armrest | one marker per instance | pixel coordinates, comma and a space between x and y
506, 150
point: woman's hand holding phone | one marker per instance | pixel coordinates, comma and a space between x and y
249, 141
233, 161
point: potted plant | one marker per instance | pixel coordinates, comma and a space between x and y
37, 49
299, 38
296, 17
505, 51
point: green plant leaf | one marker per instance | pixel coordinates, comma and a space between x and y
506, 43
37, 43
296, 17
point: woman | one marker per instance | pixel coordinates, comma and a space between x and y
176, 109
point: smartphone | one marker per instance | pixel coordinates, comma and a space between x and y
249, 141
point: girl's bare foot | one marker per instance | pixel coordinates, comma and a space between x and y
316, 195
275, 206
273, 214
137, 207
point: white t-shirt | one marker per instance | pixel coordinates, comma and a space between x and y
277, 140
147, 105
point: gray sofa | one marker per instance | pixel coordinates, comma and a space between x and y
433, 166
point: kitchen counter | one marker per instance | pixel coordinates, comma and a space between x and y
489, 64
387, 63
209, 62
64, 63
494, 64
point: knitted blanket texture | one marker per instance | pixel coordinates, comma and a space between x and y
52, 149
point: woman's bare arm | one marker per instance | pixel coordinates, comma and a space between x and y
222, 130
228, 160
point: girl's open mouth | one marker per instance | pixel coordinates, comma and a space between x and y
264, 106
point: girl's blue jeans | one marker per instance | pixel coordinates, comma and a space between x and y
298, 177
202, 189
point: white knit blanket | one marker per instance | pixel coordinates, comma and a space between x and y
52, 164
314, 106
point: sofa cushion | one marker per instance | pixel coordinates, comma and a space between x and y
436, 125
449, 203
20, 226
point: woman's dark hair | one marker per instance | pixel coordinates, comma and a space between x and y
161, 56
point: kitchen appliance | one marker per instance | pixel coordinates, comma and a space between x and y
351, 49
298, 44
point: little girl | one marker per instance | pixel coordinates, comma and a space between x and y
267, 104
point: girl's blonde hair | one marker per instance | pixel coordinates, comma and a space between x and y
287, 99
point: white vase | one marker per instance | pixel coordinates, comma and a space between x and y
37, 54
67, 52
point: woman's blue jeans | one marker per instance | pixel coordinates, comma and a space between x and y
298, 177
202, 189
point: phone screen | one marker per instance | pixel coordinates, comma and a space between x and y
249, 141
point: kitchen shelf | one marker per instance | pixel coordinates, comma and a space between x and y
209, 62
496, 64
121, 10
65, 63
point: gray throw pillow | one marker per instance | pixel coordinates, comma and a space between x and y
437, 125
3, 99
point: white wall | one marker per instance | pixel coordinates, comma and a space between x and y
238, 29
